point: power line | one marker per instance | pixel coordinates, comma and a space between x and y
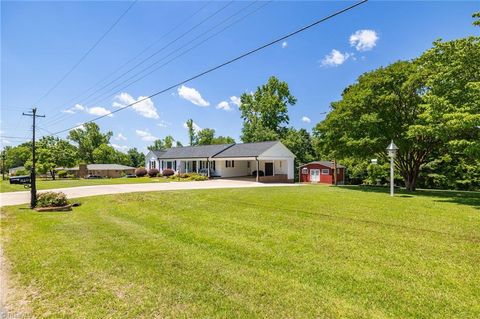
57, 120
248, 53
86, 53
141, 52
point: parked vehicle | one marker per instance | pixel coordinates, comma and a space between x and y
93, 177
131, 176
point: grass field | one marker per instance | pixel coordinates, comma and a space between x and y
293, 252
62, 183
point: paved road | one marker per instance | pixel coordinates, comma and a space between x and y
17, 198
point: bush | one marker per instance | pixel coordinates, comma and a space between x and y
62, 174
140, 172
51, 199
153, 172
168, 172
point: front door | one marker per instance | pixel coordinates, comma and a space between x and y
268, 169
194, 166
314, 175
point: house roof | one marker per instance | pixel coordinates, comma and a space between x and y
324, 163
101, 167
246, 149
216, 151
158, 153
201, 151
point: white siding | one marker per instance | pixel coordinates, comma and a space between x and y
240, 169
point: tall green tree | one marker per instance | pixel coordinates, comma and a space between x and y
88, 138
265, 112
192, 136
136, 158
162, 144
300, 143
207, 136
427, 106
53, 152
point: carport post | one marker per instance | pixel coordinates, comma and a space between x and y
258, 167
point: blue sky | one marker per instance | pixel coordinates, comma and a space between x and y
41, 41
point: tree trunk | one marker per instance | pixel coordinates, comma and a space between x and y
52, 173
410, 178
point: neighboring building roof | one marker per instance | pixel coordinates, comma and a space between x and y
324, 163
201, 151
247, 149
102, 167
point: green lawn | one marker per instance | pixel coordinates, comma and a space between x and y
293, 252
62, 183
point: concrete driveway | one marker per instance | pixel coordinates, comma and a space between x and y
17, 198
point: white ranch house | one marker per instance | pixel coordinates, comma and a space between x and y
273, 160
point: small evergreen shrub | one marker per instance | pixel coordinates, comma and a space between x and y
153, 172
51, 199
168, 172
140, 172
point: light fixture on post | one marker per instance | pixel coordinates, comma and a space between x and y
392, 152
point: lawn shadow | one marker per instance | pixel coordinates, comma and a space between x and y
449, 196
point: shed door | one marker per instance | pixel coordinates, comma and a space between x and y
314, 175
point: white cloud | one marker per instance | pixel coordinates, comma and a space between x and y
146, 136
163, 123
121, 148
192, 95
145, 108
364, 40
224, 106
120, 137
196, 128
284, 44
235, 100
306, 119
96, 110
335, 58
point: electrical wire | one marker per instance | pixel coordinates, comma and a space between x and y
212, 69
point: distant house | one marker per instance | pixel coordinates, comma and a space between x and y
273, 160
103, 170
321, 172
13, 171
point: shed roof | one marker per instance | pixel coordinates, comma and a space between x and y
324, 163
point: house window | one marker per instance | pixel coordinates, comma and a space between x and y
212, 165
304, 170
169, 165
153, 164
325, 171
229, 163
338, 170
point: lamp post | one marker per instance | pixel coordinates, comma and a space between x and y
392, 152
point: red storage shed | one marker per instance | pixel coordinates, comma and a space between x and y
321, 172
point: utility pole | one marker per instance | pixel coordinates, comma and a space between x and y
33, 190
4, 156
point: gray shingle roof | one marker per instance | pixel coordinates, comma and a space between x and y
158, 153
324, 163
246, 149
202, 151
